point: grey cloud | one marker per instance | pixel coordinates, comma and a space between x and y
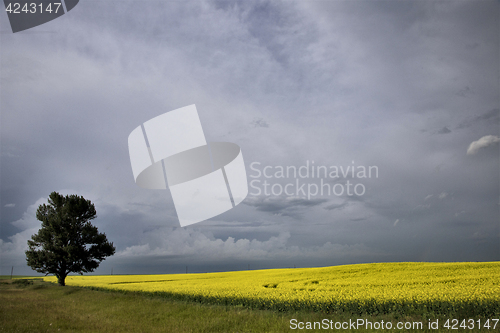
335, 81
12, 250
285, 206
493, 114
492, 117
179, 245
259, 122
444, 130
277, 26
465, 92
336, 206
442, 195
471, 46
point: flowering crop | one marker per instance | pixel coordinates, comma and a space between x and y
469, 289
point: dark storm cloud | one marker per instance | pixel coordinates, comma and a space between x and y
331, 81
444, 130
259, 122
490, 117
335, 206
285, 206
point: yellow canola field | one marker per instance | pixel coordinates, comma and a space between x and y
461, 288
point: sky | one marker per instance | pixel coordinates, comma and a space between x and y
408, 88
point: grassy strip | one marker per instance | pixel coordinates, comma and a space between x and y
44, 307
8, 277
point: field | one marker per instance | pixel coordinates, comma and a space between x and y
398, 288
412, 295
45, 307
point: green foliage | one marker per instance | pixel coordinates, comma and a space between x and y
67, 241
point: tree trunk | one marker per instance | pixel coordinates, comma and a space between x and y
60, 280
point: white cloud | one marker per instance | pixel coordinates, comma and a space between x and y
10, 205
484, 142
183, 241
189, 242
443, 195
12, 251
396, 222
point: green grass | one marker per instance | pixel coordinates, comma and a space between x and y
46, 307
8, 277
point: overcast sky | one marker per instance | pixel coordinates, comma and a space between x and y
410, 87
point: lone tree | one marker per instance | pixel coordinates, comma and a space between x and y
67, 241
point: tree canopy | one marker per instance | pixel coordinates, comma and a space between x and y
67, 241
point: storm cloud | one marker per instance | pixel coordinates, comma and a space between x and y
410, 87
